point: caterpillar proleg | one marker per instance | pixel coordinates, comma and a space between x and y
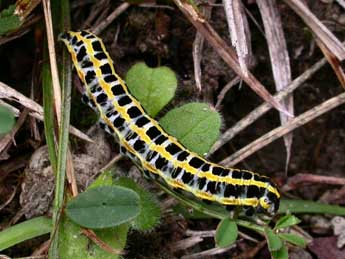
149, 146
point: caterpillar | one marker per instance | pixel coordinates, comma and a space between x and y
155, 152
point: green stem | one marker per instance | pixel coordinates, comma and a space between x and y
61, 13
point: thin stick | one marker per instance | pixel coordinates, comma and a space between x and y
262, 109
320, 30
6, 140
116, 158
297, 179
9, 93
283, 130
100, 27
52, 59
92, 236
225, 89
207, 253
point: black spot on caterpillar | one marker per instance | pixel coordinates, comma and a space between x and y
147, 144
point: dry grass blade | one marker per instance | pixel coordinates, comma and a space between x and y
262, 109
208, 253
251, 253
225, 52
283, 130
52, 59
7, 92
100, 27
280, 61
297, 179
115, 159
186, 243
333, 61
236, 19
225, 89
92, 236
197, 49
25, 7
320, 30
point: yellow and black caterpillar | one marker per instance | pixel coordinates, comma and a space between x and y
150, 147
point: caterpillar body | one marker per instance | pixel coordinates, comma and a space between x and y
150, 147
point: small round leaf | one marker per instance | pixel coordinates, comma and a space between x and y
226, 233
104, 207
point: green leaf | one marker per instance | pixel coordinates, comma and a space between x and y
287, 221
301, 206
195, 125
23, 231
226, 233
74, 244
104, 207
105, 179
153, 87
150, 211
273, 240
294, 239
8, 20
282, 253
6, 120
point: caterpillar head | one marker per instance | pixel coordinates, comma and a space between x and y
269, 201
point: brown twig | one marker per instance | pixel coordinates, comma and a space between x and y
92, 236
333, 61
52, 59
225, 52
322, 32
9, 199
186, 243
36, 111
251, 253
9, 137
100, 27
298, 179
115, 159
96, 10
262, 109
208, 253
283, 130
225, 89
198, 45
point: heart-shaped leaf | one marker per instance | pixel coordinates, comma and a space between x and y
153, 87
226, 233
195, 125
